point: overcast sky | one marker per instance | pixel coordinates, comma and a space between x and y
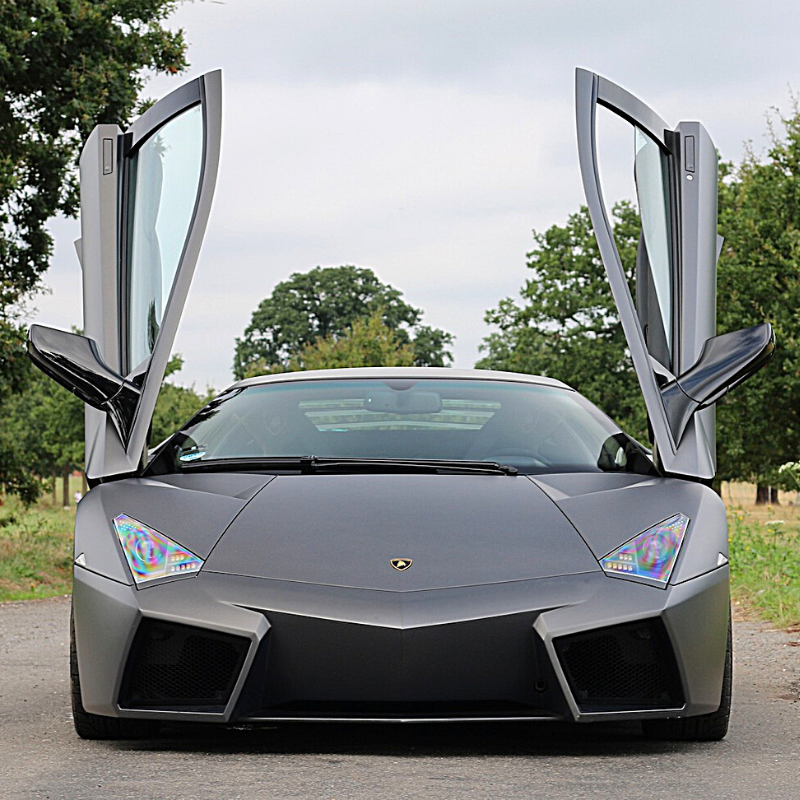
425, 140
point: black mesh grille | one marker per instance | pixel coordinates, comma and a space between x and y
179, 665
624, 667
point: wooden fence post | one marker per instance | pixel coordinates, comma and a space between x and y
65, 486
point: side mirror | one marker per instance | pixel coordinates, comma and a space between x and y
621, 453
74, 362
725, 362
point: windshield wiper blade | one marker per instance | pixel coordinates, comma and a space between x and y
319, 463
245, 464
345, 464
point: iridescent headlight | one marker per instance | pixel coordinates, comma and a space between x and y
651, 554
150, 554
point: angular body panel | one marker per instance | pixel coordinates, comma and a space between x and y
597, 513
194, 512
343, 530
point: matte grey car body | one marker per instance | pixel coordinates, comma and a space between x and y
379, 587
503, 566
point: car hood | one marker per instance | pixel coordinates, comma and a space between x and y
344, 530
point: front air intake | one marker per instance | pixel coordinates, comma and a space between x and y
622, 668
180, 666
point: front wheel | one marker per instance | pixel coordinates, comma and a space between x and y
94, 726
706, 727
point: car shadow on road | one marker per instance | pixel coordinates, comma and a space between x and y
420, 740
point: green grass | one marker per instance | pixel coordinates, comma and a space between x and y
36, 556
765, 567
35, 550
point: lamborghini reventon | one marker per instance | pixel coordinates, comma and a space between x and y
397, 544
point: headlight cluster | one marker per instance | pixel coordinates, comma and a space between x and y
150, 554
650, 554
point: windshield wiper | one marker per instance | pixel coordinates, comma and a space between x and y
247, 464
316, 464
330, 464
321, 463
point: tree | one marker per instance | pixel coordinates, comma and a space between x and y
65, 65
758, 280
568, 328
323, 303
368, 342
46, 424
176, 405
567, 325
14, 374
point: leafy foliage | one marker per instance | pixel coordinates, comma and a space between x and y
567, 325
176, 404
14, 375
45, 426
759, 280
323, 303
64, 66
366, 343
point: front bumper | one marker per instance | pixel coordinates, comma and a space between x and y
332, 653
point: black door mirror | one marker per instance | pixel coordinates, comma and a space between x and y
75, 363
621, 453
725, 362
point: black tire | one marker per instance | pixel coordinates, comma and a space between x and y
705, 728
93, 726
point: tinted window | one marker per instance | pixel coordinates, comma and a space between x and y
652, 188
533, 427
164, 182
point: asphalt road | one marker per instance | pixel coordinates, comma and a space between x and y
41, 757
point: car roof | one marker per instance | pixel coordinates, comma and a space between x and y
441, 373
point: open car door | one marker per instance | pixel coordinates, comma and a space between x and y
145, 199
682, 366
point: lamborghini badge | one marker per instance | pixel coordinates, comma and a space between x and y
401, 564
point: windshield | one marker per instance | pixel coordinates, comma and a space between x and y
535, 428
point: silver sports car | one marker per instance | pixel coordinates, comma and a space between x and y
396, 544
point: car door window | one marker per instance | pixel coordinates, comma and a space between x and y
165, 177
652, 188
